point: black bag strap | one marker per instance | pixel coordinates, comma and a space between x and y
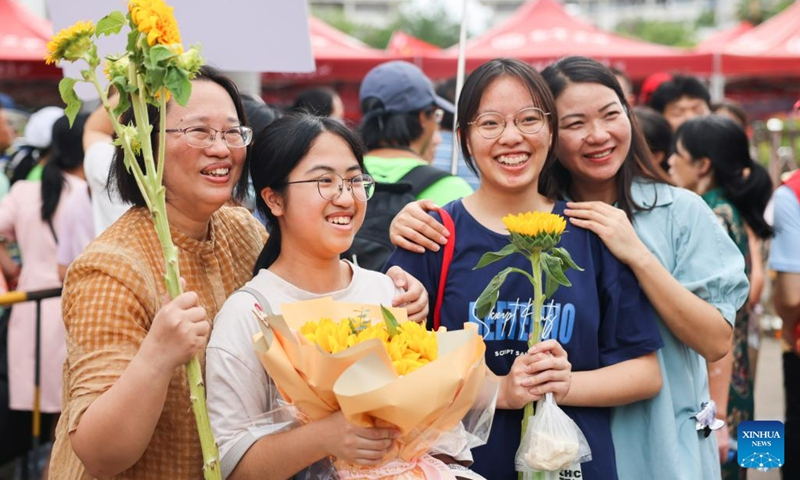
422, 177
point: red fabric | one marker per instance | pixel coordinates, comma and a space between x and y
23, 42
794, 183
772, 48
449, 248
718, 41
406, 45
541, 31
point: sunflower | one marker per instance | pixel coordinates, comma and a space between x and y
535, 230
154, 18
71, 43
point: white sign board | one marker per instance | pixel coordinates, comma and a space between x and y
235, 35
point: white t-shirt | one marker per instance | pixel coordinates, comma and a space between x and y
238, 389
106, 205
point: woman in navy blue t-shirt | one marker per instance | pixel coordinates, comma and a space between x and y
604, 321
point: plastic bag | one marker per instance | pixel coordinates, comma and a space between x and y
552, 441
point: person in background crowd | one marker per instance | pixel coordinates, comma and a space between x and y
401, 113
127, 410
625, 84
692, 273
29, 159
30, 214
658, 134
319, 101
784, 261
107, 206
712, 159
732, 110
7, 135
443, 155
681, 98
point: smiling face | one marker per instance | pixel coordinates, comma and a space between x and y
323, 228
594, 136
200, 180
513, 160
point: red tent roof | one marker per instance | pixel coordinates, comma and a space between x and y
719, 40
406, 45
541, 31
23, 41
337, 55
772, 48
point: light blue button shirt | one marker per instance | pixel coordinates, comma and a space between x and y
784, 256
656, 439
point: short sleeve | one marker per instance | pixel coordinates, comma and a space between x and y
106, 321
628, 327
238, 387
784, 253
707, 262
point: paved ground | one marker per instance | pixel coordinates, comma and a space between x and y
769, 393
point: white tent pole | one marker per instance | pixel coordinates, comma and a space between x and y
462, 52
717, 84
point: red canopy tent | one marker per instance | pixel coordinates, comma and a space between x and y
541, 31
338, 57
719, 40
403, 44
23, 40
770, 49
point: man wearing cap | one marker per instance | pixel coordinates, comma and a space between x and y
401, 114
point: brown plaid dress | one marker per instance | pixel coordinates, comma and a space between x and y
111, 295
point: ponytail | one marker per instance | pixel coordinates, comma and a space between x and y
271, 250
53, 182
750, 193
744, 183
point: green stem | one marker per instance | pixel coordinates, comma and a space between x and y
154, 194
533, 339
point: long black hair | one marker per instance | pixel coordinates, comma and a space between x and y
67, 148
126, 184
638, 163
744, 183
470, 100
277, 150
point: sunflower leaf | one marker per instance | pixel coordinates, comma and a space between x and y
488, 298
66, 87
111, 24
491, 257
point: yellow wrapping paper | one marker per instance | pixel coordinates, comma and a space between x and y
361, 380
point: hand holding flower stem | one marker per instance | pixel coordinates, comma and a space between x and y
153, 68
535, 236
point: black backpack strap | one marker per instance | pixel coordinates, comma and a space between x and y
422, 177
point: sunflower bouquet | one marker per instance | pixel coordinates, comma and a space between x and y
550, 440
153, 69
380, 370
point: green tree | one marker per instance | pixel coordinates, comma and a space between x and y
433, 25
757, 11
674, 34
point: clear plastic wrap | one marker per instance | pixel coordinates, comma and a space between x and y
552, 441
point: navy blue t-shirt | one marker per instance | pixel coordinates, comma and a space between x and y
602, 319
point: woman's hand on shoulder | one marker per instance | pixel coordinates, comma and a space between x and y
179, 330
544, 368
414, 297
611, 225
416, 231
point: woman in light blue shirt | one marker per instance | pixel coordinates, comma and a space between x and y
691, 271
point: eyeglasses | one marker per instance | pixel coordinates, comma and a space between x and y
492, 124
203, 137
361, 186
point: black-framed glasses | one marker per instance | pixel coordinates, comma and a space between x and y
528, 121
331, 185
202, 136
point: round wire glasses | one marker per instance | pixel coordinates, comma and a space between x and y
331, 185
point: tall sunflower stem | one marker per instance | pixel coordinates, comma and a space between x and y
533, 339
